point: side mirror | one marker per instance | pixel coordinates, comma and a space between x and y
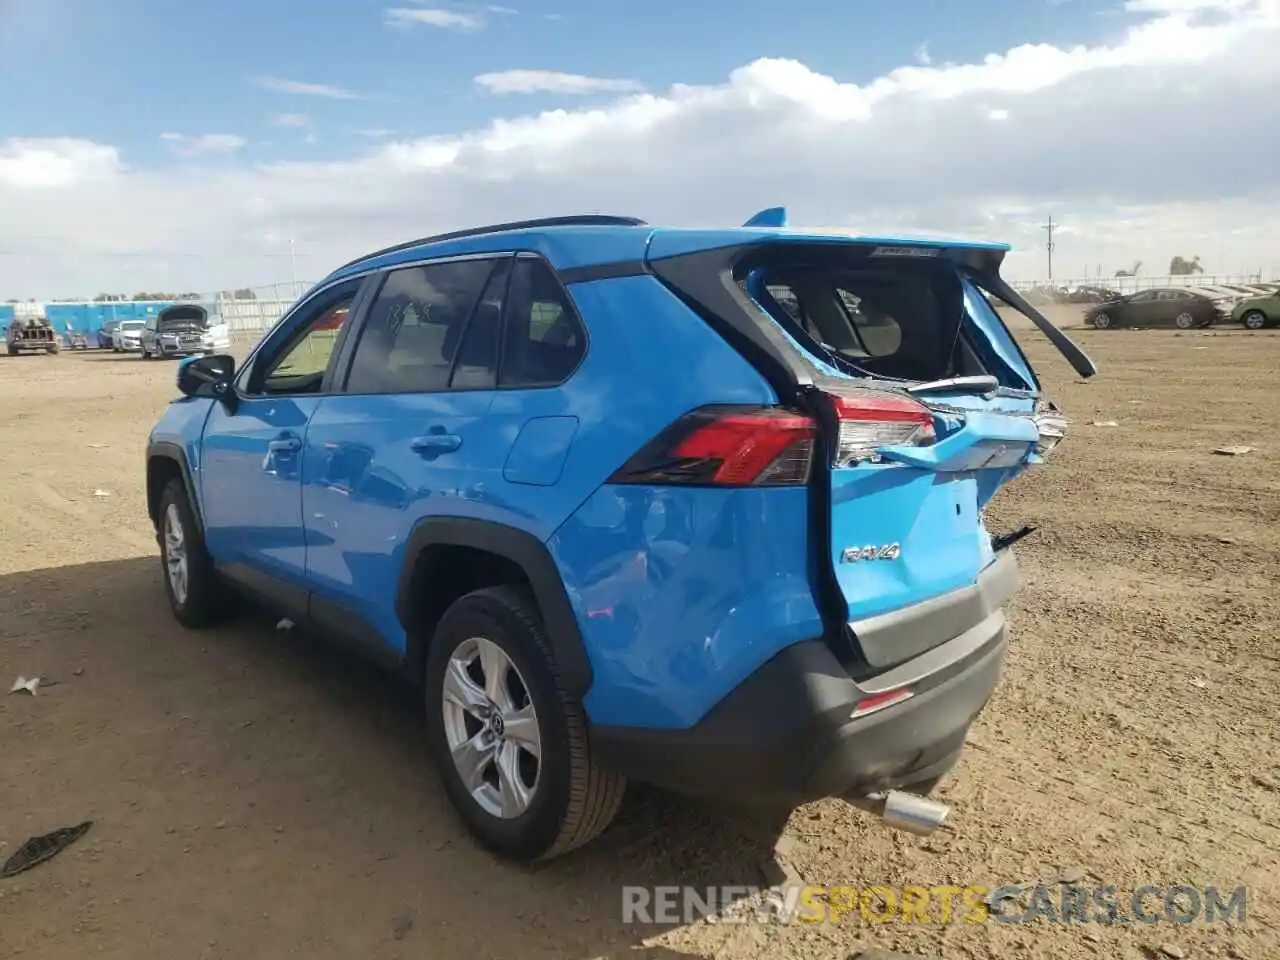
207, 376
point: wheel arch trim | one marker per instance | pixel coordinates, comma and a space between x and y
167, 450
528, 553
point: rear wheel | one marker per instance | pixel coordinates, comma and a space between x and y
195, 593
510, 745
1254, 320
1184, 321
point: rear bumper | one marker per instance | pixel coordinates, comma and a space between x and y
786, 734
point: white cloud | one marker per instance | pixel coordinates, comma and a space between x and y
62, 162
549, 81
290, 120
298, 88
1157, 142
203, 144
405, 18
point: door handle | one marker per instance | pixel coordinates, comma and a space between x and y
435, 443
285, 445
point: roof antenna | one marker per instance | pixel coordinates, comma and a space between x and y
772, 217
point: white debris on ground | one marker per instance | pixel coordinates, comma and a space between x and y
1233, 451
23, 683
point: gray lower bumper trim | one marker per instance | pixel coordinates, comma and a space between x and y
893, 638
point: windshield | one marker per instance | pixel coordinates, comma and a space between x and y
132, 325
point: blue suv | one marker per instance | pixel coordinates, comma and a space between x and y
698, 508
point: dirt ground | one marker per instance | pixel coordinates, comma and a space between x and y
255, 794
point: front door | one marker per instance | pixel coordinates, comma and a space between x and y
403, 436
251, 459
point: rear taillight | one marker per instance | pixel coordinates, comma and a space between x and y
727, 447
869, 420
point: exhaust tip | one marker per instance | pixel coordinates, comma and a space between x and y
904, 811
913, 813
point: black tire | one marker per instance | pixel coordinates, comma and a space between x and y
574, 800
1255, 320
205, 601
1104, 321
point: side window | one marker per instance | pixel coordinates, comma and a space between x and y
477, 365
300, 369
1144, 297
544, 341
415, 327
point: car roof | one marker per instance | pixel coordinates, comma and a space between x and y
592, 239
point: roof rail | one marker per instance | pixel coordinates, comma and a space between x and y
581, 220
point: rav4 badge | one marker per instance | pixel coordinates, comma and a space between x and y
888, 551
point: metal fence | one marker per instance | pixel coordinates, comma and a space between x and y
248, 312
1134, 284
257, 313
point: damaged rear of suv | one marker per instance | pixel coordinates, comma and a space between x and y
904, 405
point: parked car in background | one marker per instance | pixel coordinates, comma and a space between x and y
1092, 294
127, 336
767, 579
182, 330
31, 335
1258, 313
1167, 307
106, 333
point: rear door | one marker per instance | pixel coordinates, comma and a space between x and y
403, 436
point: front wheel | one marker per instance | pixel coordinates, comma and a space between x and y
192, 585
510, 744
1184, 321
1254, 320
1103, 321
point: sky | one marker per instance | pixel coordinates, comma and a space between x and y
154, 145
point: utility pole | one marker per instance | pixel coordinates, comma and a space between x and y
1049, 244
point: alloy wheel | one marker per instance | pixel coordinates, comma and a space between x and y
491, 728
175, 554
